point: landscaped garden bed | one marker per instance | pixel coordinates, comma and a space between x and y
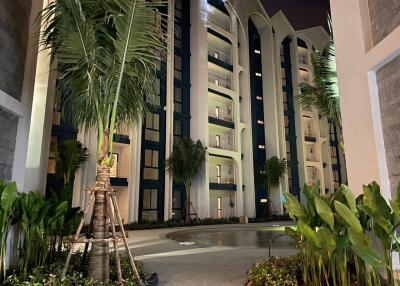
50, 274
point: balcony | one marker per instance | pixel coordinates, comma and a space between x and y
219, 52
218, 18
221, 173
221, 137
304, 76
219, 80
312, 176
311, 154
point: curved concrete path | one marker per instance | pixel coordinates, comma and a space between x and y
208, 260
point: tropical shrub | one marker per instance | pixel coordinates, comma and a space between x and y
336, 236
276, 271
49, 274
40, 225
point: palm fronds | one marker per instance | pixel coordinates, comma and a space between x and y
323, 93
107, 53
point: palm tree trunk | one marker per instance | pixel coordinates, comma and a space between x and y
187, 188
99, 253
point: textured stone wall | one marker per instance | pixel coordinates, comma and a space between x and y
14, 33
388, 79
384, 16
8, 134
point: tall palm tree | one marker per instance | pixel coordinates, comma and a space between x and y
274, 169
185, 164
323, 93
107, 53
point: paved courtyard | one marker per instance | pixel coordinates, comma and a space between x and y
207, 255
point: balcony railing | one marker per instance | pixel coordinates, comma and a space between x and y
225, 26
303, 60
222, 114
219, 55
222, 144
223, 180
220, 81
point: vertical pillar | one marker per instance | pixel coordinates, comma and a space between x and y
198, 101
41, 121
169, 121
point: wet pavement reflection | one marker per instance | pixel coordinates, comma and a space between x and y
237, 237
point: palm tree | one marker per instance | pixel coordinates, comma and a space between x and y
274, 169
107, 53
185, 164
71, 156
323, 93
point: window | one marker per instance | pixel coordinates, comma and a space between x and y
217, 141
219, 207
178, 99
257, 52
178, 36
260, 122
150, 203
258, 74
177, 131
151, 164
157, 93
259, 98
177, 203
178, 67
261, 146
219, 174
152, 127
217, 112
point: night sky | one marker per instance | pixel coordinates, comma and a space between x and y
302, 14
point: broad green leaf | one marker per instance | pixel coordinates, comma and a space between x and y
378, 219
362, 246
292, 232
350, 198
326, 239
311, 192
324, 211
348, 216
374, 200
295, 209
308, 233
8, 196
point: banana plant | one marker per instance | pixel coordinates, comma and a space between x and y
337, 232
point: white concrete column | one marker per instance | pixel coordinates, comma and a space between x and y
169, 114
199, 99
41, 121
23, 108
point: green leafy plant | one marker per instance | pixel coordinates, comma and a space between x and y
337, 234
185, 163
8, 196
276, 271
71, 156
40, 226
107, 53
274, 169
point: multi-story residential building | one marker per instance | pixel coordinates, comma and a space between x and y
231, 83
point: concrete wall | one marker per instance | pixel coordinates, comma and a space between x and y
14, 31
388, 80
384, 17
361, 71
8, 134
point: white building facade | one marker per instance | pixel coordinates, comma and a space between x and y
230, 81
